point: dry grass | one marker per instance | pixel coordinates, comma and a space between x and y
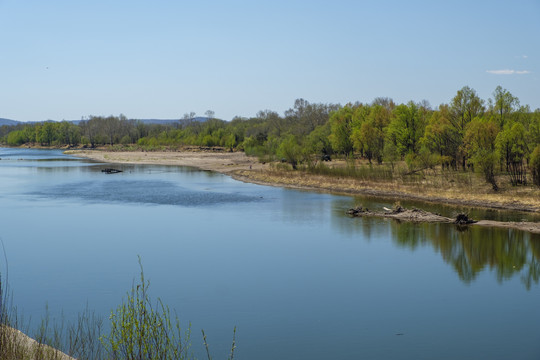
452, 187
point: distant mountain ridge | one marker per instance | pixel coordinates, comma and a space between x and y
10, 122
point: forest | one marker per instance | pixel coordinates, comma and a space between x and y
490, 137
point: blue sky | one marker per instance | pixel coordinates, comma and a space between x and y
160, 59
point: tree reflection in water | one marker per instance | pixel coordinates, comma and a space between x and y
470, 250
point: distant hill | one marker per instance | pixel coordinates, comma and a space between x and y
77, 122
8, 122
170, 121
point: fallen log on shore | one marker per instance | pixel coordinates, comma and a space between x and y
422, 216
413, 215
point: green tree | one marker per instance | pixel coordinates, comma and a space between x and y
503, 104
47, 133
442, 138
464, 107
15, 138
370, 141
29, 134
533, 132
304, 117
290, 150
69, 133
512, 147
480, 139
340, 130
318, 141
534, 165
407, 127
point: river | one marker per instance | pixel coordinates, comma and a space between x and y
298, 277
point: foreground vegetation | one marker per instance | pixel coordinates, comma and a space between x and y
494, 137
139, 329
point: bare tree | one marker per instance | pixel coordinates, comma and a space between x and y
210, 114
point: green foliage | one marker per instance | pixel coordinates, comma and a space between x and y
407, 128
391, 153
512, 147
16, 138
441, 137
533, 133
318, 141
503, 104
534, 165
465, 106
340, 130
141, 330
47, 133
428, 159
480, 138
302, 119
290, 151
369, 140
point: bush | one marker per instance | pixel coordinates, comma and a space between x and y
290, 151
140, 330
486, 160
15, 138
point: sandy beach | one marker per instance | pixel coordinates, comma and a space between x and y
223, 162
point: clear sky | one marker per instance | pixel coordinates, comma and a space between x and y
64, 59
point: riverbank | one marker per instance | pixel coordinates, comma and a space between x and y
442, 190
21, 346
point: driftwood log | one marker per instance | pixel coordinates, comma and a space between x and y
111, 171
419, 216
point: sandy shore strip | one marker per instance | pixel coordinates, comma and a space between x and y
32, 348
222, 162
249, 169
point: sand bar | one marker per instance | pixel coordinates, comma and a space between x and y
223, 161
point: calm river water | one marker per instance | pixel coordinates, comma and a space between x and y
297, 276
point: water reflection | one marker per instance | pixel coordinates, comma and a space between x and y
472, 250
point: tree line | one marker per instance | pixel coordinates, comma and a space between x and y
468, 133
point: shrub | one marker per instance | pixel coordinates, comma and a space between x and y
15, 138
140, 330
